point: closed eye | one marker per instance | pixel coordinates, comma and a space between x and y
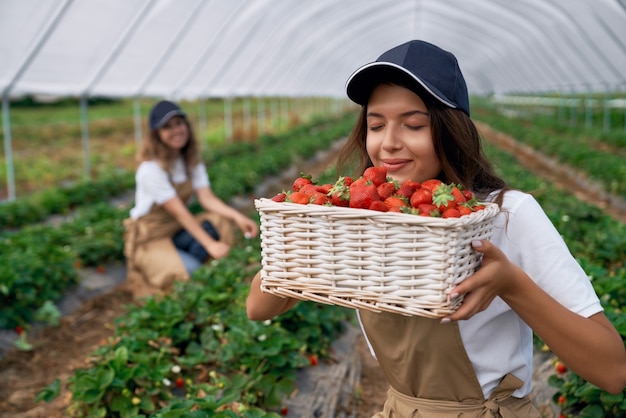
414, 127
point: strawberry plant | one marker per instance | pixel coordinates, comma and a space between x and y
195, 348
35, 267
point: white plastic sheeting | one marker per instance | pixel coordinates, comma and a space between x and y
217, 48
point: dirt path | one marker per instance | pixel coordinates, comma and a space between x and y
58, 352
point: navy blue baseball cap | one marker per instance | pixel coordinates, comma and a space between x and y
414, 63
162, 112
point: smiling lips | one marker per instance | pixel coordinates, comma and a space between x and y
395, 164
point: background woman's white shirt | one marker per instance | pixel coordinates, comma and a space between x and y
153, 185
496, 340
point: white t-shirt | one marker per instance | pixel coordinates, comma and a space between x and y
154, 186
496, 340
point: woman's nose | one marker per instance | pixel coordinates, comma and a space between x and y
391, 139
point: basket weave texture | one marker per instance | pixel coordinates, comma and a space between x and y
361, 259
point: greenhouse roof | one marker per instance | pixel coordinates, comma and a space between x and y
219, 48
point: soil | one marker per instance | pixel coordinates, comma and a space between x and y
57, 352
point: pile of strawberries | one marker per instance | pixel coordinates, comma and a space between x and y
375, 191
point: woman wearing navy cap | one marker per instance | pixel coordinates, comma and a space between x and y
476, 362
164, 241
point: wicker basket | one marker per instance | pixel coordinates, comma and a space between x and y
393, 262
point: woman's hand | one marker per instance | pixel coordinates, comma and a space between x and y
249, 228
482, 287
211, 203
218, 249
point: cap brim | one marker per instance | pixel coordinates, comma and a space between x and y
361, 83
169, 115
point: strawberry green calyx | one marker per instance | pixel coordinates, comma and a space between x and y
339, 193
340, 189
442, 195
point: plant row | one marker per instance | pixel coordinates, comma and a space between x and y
601, 156
39, 262
194, 349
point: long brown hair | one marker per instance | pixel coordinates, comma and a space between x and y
153, 148
457, 143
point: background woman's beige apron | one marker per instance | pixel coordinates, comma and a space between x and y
150, 253
430, 373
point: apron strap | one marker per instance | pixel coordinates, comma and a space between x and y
499, 405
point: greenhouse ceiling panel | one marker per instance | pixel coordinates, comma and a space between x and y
221, 48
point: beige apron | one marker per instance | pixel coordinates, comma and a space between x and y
151, 256
430, 373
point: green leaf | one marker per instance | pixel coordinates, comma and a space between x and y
610, 399
50, 392
120, 359
592, 411
48, 314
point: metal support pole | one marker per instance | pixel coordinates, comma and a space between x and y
228, 118
85, 130
8, 148
260, 112
203, 134
137, 120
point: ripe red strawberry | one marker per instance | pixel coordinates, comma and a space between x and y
284, 411
377, 175
309, 189
387, 189
451, 213
464, 210
179, 382
395, 204
421, 196
280, 197
560, 367
324, 188
407, 188
428, 209
362, 194
379, 206
299, 197
301, 181
313, 360
431, 184
19, 329
458, 196
319, 198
